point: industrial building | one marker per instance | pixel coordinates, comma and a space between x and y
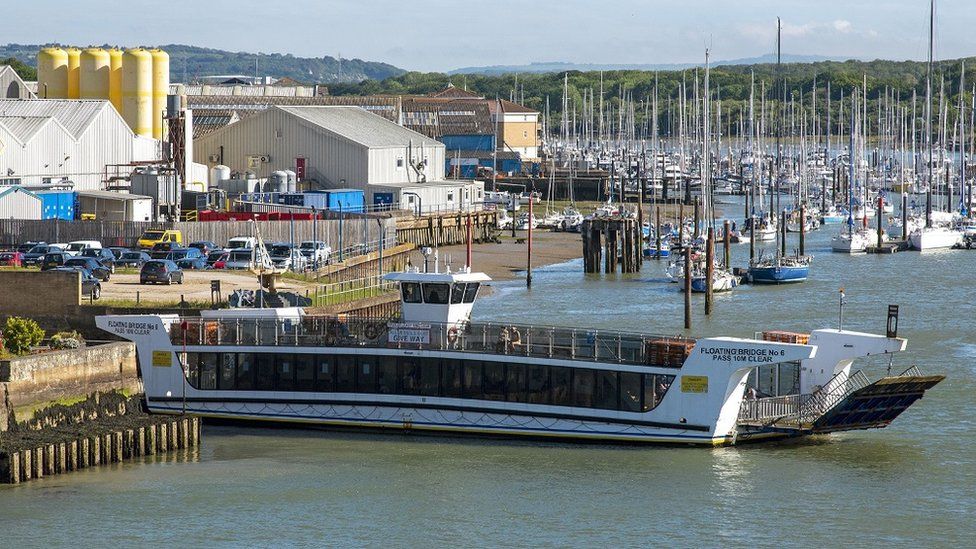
335, 147
19, 203
47, 141
12, 86
113, 206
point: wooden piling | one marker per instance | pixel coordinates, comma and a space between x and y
687, 288
657, 235
727, 245
49, 463
13, 468
879, 215
84, 455
904, 217
697, 229
61, 458
37, 460
709, 269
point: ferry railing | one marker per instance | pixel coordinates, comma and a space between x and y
832, 392
486, 338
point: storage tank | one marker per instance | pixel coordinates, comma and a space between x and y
115, 78
292, 181
160, 89
74, 72
93, 76
278, 182
52, 73
219, 173
137, 91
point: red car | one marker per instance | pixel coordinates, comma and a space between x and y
11, 259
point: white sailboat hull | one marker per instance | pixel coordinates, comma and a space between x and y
934, 238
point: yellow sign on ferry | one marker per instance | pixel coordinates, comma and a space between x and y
694, 384
162, 359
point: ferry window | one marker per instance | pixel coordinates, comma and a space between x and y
366, 375
228, 362
409, 376
655, 387
537, 384
285, 373
386, 375
605, 394
472, 379
430, 374
583, 387
324, 374
561, 379
208, 371
789, 378
436, 294
494, 380
450, 378
264, 372
515, 388
345, 373
471, 291
457, 293
304, 372
192, 362
411, 292
630, 392
245, 372
766, 380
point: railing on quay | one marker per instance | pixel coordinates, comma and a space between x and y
485, 338
344, 291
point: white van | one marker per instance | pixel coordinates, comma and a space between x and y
76, 247
241, 242
239, 259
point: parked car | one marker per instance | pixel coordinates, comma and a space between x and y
133, 259
239, 258
90, 286
27, 246
34, 257
205, 246
100, 271
53, 260
102, 255
150, 238
117, 251
162, 249
241, 242
160, 271
188, 258
316, 252
76, 247
217, 259
12, 259
286, 256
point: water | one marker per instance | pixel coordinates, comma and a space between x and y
912, 483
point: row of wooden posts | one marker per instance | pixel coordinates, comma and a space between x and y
157, 437
617, 240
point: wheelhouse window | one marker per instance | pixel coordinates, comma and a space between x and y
411, 292
471, 291
436, 293
457, 293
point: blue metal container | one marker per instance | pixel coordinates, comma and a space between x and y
58, 204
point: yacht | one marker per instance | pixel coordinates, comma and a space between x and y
850, 242
934, 238
434, 370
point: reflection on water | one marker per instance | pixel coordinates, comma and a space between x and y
260, 487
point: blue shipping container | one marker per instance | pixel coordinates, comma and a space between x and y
347, 200
58, 204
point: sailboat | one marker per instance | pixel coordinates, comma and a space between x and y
931, 237
851, 240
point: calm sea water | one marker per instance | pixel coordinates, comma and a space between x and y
913, 483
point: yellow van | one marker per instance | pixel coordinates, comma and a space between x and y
154, 236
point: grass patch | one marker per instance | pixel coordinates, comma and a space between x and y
148, 304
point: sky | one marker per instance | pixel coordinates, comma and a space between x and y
440, 35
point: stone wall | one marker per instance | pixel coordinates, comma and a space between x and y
30, 293
31, 382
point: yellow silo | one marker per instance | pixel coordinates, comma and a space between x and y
160, 64
74, 64
52, 73
94, 74
115, 78
137, 91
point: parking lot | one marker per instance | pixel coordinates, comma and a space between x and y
196, 286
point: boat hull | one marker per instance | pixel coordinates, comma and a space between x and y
778, 275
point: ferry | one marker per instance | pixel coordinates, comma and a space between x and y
435, 370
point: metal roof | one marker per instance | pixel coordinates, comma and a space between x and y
23, 128
4, 191
112, 195
76, 115
360, 126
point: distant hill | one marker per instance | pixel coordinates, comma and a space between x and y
558, 66
196, 62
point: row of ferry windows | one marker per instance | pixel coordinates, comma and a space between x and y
474, 379
439, 293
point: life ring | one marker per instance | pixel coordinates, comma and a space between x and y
452, 335
370, 331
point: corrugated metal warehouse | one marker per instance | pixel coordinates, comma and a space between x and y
44, 140
331, 145
11, 85
18, 203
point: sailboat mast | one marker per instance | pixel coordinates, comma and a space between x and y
928, 114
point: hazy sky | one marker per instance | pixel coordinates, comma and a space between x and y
442, 35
